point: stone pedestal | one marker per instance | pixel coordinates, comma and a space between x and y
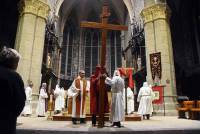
158, 39
30, 40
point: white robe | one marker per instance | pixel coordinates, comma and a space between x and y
63, 95
41, 103
73, 92
145, 97
58, 98
28, 106
117, 104
130, 100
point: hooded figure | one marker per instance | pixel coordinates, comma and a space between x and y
117, 103
145, 97
40, 111
58, 99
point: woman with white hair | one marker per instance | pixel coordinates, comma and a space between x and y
117, 103
145, 97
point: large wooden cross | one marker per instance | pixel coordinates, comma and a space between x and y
104, 26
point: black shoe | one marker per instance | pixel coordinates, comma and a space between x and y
148, 116
74, 121
144, 117
82, 120
118, 124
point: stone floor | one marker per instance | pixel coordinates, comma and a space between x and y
156, 125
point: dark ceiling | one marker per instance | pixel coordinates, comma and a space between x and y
8, 22
185, 31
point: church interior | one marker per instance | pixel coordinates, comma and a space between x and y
55, 47
185, 33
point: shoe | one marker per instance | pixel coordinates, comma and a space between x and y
41, 116
82, 120
148, 116
113, 124
116, 126
74, 122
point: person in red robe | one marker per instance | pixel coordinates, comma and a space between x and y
94, 95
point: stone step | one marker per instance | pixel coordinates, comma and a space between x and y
61, 117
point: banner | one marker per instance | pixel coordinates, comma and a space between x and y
128, 72
155, 64
158, 92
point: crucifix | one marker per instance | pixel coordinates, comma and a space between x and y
104, 26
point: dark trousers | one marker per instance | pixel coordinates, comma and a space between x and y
74, 120
118, 124
94, 118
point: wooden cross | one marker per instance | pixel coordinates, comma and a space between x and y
104, 26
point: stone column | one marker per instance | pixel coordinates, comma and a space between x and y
158, 39
30, 40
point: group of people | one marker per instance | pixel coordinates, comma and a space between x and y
13, 83
58, 94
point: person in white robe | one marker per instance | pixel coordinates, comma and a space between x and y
128, 98
58, 99
145, 97
40, 111
117, 103
28, 107
63, 96
78, 92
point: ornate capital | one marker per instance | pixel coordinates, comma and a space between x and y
35, 7
155, 12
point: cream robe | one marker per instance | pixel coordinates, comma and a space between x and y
58, 98
41, 103
117, 104
63, 95
74, 92
145, 97
28, 106
130, 100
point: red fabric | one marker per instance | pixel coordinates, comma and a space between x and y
94, 93
159, 91
127, 72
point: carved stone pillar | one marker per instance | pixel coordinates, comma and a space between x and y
30, 40
158, 39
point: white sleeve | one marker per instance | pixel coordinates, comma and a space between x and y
71, 92
139, 95
109, 81
43, 94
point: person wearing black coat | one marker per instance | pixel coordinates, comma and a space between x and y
12, 99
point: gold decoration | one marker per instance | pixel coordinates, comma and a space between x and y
155, 12
35, 7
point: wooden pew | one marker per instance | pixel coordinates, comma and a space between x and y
187, 105
195, 112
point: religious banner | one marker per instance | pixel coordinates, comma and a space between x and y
158, 94
155, 64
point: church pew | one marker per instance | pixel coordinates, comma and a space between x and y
195, 112
187, 105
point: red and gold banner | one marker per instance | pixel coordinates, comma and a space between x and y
158, 94
155, 64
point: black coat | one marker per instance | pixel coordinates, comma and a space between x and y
12, 99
